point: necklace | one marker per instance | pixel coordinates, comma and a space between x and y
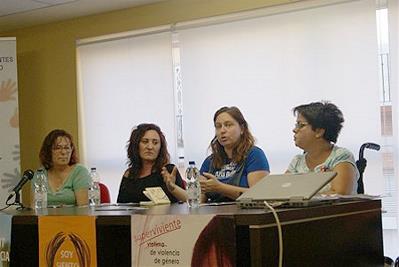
57, 183
58, 178
58, 188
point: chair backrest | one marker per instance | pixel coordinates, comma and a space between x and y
104, 194
361, 164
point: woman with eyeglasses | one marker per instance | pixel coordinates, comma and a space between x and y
67, 181
316, 131
149, 166
235, 163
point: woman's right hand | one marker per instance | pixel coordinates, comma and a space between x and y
169, 178
209, 183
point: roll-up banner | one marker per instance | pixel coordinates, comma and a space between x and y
9, 120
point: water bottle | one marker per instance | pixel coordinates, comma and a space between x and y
40, 190
193, 186
94, 189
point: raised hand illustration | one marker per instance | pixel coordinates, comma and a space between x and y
14, 120
15, 153
10, 179
7, 90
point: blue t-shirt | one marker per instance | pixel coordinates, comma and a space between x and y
255, 161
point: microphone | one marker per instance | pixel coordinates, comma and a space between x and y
28, 175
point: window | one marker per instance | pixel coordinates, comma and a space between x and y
265, 62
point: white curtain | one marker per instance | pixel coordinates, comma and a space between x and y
123, 83
266, 66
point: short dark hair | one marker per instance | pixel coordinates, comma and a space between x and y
133, 154
323, 115
46, 151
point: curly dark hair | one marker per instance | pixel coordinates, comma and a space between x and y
243, 145
323, 115
46, 151
133, 154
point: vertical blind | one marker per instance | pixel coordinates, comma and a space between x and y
124, 83
265, 66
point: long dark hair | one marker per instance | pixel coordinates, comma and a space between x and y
46, 151
243, 145
134, 161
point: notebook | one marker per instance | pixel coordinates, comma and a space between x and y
290, 190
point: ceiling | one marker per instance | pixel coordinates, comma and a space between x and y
16, 14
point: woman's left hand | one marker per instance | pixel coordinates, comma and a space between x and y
169, 178
211, 184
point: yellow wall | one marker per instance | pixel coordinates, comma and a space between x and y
47, 60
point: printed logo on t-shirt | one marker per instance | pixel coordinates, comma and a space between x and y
226, 171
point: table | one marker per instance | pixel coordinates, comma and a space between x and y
340, 234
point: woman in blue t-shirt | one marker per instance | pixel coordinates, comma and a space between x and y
235, 163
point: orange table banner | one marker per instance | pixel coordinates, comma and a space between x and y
67, 241
182, 240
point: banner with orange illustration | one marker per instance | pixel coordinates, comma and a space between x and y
183, 240
9, 119
67, 241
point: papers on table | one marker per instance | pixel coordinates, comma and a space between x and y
156, 195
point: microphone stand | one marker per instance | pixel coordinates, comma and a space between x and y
28, 175
17, 202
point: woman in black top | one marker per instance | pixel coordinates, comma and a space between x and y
149, 167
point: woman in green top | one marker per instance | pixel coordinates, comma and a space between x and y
67, 181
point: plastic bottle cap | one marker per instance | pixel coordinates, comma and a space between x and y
93, 168
191, 162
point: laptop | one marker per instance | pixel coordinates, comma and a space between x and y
286, 190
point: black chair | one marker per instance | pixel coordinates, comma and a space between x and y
388, 262
361, 164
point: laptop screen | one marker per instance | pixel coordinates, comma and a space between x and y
282, 187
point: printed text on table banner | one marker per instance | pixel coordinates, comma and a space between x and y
183, 240
5, 239
67, 241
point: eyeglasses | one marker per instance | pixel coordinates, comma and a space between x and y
300, 125
60, 148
